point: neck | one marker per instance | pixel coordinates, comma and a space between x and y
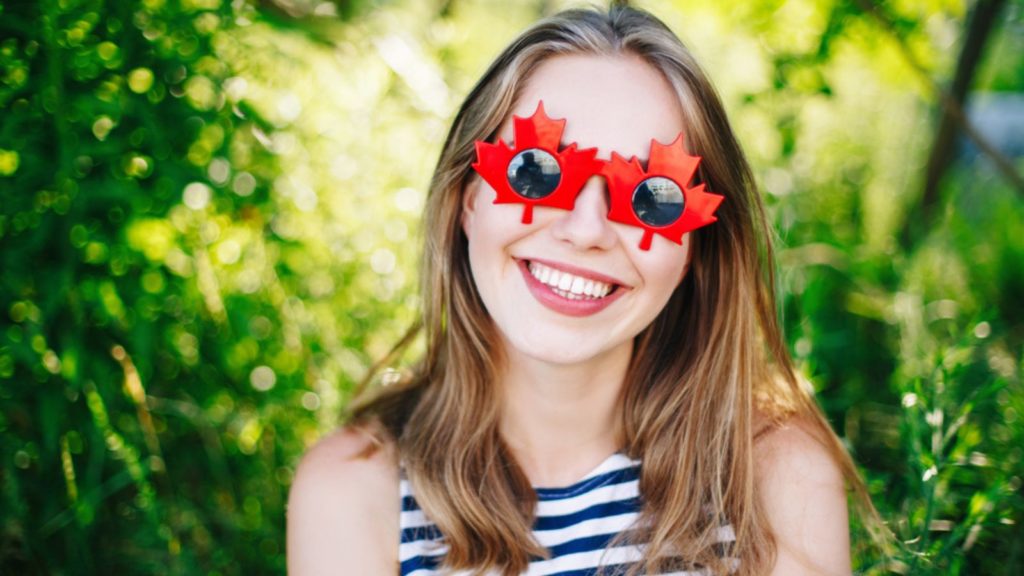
561, 420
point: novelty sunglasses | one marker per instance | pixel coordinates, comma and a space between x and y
535, 172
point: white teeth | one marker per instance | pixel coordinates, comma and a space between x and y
569, 285
564, 281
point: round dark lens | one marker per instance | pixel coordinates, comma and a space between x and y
534, 173
658, 201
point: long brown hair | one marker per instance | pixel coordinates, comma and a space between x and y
703, 380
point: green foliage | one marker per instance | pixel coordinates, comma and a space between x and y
208, 222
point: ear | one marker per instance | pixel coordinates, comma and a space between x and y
469, 199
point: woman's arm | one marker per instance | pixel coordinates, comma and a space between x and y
804, 496
343, 509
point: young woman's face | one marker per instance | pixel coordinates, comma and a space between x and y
612, 104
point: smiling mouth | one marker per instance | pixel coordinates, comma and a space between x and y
570, 286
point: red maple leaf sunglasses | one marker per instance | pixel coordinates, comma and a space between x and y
536, 173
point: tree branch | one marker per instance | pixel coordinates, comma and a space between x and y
979, 27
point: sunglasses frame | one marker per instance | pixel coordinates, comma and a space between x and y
576, 166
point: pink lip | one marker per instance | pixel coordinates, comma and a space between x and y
578, 308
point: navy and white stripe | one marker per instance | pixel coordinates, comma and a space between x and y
576, 524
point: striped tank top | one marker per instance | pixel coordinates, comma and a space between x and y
576, 524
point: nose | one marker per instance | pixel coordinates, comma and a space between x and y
586, 225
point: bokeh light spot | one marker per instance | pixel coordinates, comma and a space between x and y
201, 92
310, 401
289, 107
228, 252
382, 261
262, 378
244, 184
138, 166
107, 51
197, 195
140, 80
983, 330
51, 362
101, 127
219, 171
9, 161
153, 282
408, 200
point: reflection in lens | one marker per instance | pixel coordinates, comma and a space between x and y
534, 173
658, 201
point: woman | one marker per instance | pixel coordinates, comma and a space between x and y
603, 387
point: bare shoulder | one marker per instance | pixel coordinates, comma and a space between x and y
343, 507
804, 495
793, 448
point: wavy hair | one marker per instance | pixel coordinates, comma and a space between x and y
703, 381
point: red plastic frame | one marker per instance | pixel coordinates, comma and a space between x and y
537, 131
577, 166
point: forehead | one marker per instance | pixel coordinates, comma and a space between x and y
612, 103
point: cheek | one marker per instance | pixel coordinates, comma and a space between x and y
685, 259
487, 224
664, 266
491, 231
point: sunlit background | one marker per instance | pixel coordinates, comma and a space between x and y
209, 221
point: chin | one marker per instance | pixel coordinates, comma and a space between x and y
556, 350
